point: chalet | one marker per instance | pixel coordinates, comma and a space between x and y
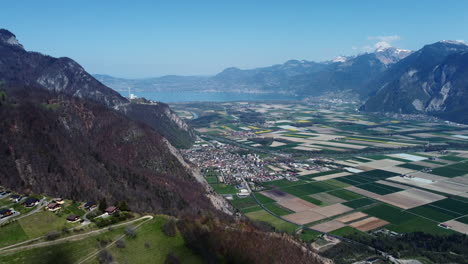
53, 206
31, 202
16, 198
90, 205
73, 218
111, 210
5, 213
59, 200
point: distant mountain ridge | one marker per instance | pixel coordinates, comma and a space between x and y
300, 77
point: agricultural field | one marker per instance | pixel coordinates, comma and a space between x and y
346, 172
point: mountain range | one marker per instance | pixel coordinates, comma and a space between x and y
63, 133
430, 81
292, 77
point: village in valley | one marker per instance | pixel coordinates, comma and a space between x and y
325, 171
321, 171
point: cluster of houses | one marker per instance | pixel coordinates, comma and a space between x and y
53, 206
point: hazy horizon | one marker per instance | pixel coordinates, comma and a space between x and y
186, 38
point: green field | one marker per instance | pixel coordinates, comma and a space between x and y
434, 213
314, 175
309, 188
358, 203
224, 188
454, 170
345, 194
278, 210
241, 203
273, 220
251, 209
412, 166
379, 188
309, 235
452, 158
160, 245
452, 205
345, 231
311, 200
463, 220
403, 222
263, 199
12, 233
41, 223
70, 252
283, 183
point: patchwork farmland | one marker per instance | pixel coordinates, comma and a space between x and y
331, 169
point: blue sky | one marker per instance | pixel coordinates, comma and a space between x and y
154, 38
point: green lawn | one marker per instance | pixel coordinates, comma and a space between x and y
345, 231
70, 252
241, 203
274, 221
42, 223
274, 208
12, 233
160, 245
263, 199
309, 235
212, 179
73, 209
224, 188
251, 209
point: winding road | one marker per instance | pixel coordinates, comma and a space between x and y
23, 245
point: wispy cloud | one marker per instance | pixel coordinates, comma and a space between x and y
384, 41
378, 42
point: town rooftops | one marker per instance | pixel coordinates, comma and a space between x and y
111, 209
5, 213
89, 205
31, 201
53, 206
73, 218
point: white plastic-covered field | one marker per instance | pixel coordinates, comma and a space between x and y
409, 157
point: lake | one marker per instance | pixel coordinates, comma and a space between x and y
174, 97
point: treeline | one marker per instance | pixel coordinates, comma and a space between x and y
218, 242
438, 249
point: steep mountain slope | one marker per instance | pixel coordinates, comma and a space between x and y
351, 74
64, 146
63, 75
432, 80
292, 77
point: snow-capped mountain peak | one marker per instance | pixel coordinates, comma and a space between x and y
391, 55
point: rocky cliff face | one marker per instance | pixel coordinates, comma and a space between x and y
63, 75
433, 80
